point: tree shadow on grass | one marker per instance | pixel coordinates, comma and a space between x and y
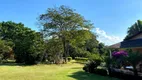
80, 75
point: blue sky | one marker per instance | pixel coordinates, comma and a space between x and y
110, 17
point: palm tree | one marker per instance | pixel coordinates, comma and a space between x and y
135, 28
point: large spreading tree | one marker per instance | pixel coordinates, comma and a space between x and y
60, 22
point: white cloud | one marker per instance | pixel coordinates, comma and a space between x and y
107, 39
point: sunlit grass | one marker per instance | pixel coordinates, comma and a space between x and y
70, 71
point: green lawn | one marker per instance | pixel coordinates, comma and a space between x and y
71, 71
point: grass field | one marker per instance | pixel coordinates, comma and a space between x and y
71, 71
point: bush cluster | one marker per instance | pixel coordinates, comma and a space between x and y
91, 66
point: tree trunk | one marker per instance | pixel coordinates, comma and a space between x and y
64, 46
67, 49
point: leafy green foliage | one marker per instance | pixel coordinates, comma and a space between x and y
103, 49
109, 61
92, 44
96, 57
54, 50
83, 45
28, 44
4, 47
91, 66
134, 58
5, 50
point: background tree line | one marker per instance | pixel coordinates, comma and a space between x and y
64, 33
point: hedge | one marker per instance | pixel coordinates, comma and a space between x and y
81, 59
69, 58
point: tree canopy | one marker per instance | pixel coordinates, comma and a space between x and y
28, 44
63, 22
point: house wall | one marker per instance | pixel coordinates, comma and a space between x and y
137, 49
137, 37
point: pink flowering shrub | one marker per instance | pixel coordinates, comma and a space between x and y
119, 53
118, 57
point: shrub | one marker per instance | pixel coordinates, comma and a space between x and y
81, 59
102, 72
118, 54
134, 58
69, 58
91, 66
